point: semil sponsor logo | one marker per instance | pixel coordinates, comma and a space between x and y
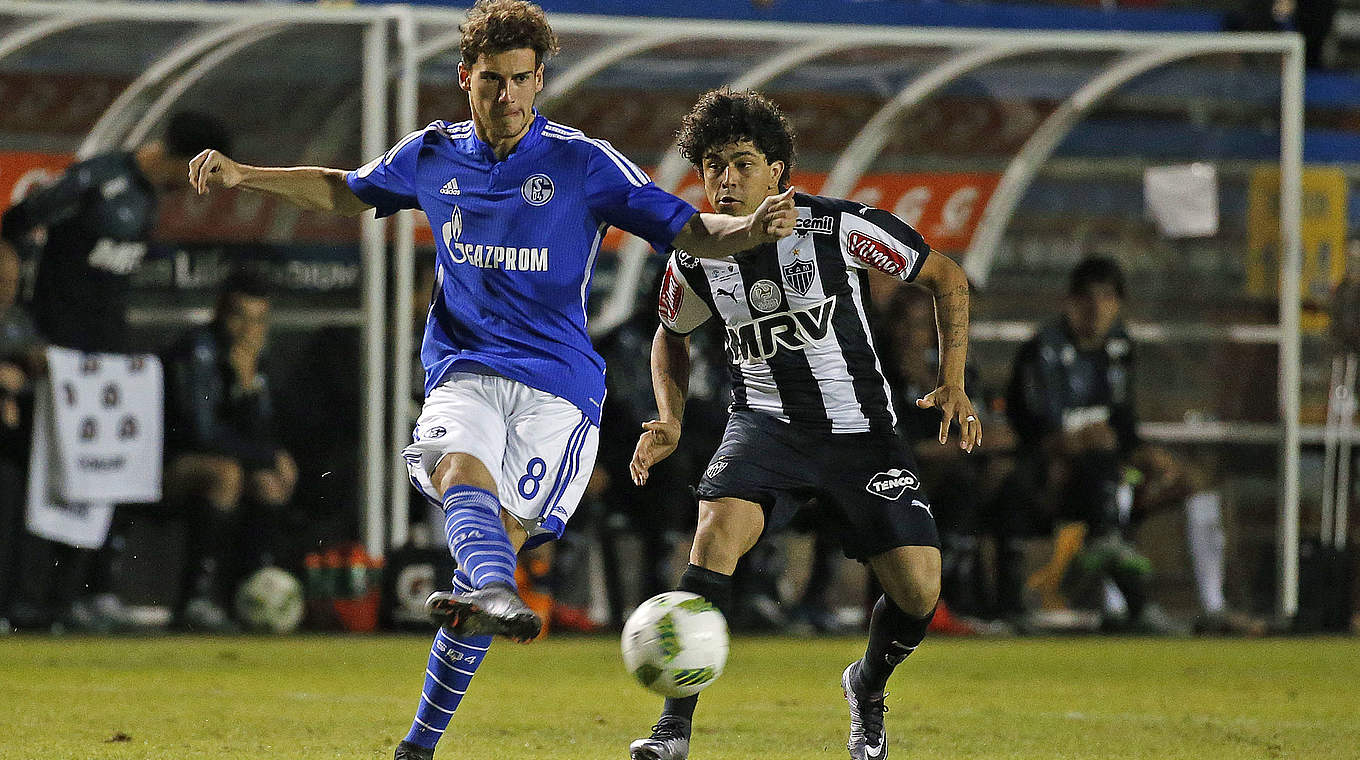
820, 225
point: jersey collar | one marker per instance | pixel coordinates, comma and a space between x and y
474, 144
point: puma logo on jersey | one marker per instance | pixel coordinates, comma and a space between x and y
729, 292
756, 341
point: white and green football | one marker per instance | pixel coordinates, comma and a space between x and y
270, 601
675, 643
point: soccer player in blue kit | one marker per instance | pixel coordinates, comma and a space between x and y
518, 204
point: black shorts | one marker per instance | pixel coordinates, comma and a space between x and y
867, 481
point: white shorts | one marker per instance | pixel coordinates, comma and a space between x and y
539, 447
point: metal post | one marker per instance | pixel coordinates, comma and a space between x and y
403, 282
1291, 258
373, 452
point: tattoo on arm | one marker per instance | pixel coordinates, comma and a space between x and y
953, 318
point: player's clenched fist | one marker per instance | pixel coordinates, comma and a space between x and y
775, 216
212, 168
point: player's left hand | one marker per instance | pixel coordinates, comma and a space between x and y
954, 406
659, 438
774, 218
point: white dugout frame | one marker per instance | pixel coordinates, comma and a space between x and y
393, 52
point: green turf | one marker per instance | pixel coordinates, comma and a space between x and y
307, 698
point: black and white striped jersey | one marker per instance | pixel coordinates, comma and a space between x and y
795, 317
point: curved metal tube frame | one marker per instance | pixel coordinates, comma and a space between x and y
102, 135
1025, 165
181, 84
864, 148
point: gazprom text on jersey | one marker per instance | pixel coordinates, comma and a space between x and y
509, 258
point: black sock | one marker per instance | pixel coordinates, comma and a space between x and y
893, 634
716, 588
212, 534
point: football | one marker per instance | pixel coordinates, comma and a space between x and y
270, 601
675, 643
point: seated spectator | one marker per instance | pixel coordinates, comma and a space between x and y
20, 360
1082, 467
223, 466
21, 357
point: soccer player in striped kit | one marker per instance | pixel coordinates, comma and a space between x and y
506, 439
811, 411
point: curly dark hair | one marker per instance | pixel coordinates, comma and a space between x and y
722, 117
495, 26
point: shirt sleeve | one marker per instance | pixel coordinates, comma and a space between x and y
1124, 411
621, 194
51, 205
680, 308
872, 238
1029, 399
388, 182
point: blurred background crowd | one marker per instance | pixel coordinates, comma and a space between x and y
1111, 494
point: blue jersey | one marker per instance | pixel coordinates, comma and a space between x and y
517, 241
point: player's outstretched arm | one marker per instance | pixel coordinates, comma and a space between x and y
311, 187
946, 279
714, 236
670, 383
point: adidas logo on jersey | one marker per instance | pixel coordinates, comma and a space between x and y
450, 187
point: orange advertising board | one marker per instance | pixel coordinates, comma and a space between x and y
20, 172
943, 207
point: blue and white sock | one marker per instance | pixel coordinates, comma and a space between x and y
477, 539
453, 662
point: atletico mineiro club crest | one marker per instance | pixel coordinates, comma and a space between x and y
798, 275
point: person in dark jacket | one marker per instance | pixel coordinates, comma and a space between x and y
88, 231
1083, 468
223, 465
21, 360
85, 235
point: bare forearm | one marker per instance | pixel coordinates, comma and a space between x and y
670, 375
311, 187
715, 236
951, 320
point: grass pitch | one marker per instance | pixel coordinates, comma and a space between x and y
307, 698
